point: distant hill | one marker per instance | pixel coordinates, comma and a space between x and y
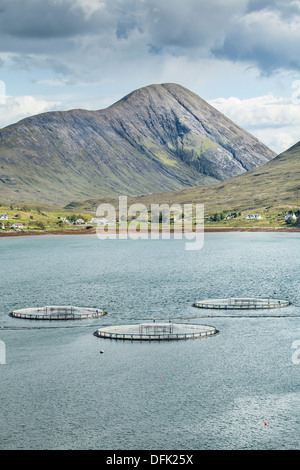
157, 138
272, 186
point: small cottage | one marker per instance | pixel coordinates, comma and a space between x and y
17, 225
253, 217
290, 216
64, 220
101, 221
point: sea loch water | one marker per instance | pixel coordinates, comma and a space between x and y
236, 390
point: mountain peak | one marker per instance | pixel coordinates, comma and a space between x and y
157, 138
157, 90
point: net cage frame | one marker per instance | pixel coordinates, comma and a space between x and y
164, 331
242, 303
156, 328
58, 312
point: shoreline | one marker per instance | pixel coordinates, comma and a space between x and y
24, 233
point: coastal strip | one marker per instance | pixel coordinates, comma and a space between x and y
92, 231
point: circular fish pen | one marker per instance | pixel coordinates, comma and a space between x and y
58, 313
241, 303
156, 331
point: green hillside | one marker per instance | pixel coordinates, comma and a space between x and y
269, 190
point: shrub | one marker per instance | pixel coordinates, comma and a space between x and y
40, 224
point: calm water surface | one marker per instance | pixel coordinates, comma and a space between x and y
58, 392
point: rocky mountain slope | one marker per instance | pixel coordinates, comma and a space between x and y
157, 138
272, 187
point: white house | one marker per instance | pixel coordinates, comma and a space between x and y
79, 222
3, 217
64, 220
101, 221
17, 225
93, 221
290, 216
253, 217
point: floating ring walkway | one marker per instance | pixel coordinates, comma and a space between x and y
58, 313
156, 331
241, 303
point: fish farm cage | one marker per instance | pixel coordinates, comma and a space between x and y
58, 313
156, 331
241, 303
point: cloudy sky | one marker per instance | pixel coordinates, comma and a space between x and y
242, 56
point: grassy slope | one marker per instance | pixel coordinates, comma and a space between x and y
34, 216
270, 190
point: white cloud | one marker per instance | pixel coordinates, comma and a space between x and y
88, 6
275, 121
19, 107
280, 140
261, 111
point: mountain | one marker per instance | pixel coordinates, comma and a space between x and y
271, 187
157, 138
